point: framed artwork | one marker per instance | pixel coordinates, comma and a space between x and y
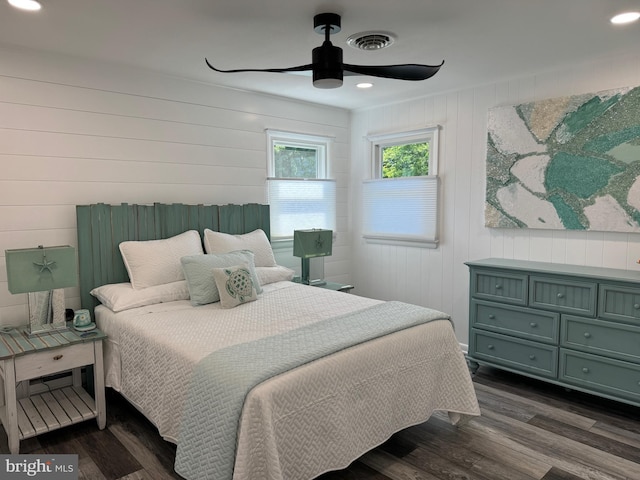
568, 163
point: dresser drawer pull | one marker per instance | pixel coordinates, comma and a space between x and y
587, 335
490, 347
58, 357
636, 306
533, 324
560, 295
585, 370
532, 357
491, 316
498, 286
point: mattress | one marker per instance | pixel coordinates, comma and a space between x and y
312, 419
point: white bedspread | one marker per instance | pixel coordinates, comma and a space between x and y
312, 419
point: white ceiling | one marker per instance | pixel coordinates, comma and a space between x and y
481, 41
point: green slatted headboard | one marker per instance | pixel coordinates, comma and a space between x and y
102, 227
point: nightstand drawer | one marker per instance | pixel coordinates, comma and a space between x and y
498, 286
565, 295
522, 322
601, 337
522, 355
612, 377
619, 303
54, 360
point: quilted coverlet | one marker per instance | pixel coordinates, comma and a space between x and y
301, 423
206, 449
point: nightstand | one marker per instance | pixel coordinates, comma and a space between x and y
25, 413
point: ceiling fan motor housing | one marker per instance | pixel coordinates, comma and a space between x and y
327, 66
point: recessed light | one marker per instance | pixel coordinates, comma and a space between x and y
626, 17
31, 5
364, 85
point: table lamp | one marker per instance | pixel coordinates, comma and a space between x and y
43, 273
311, 243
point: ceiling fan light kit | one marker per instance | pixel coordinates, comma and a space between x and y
328, 68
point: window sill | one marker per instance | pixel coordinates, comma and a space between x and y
403, 242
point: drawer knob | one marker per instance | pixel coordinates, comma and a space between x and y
490, 347
533, 324
585, 370
532, 357
636, 306
498, 286
491, 316
587, 335
560, 295
58, 357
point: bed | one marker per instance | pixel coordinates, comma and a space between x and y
382, 366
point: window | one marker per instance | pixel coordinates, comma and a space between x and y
400, 201
301, 196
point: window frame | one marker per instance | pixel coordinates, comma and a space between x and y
388, 233
424, 135
322, 143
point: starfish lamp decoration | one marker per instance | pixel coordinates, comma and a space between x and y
45, 264
319, 242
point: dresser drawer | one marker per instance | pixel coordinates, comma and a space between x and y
619, 303
556, 293
499, 286
601, 337
55, 360
522, 355
538, 325
612, 377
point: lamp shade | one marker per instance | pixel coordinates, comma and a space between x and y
312, 243
40, 269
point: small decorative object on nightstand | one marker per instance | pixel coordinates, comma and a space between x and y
310, 244
24, 357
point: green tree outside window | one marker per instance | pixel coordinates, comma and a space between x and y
407, 160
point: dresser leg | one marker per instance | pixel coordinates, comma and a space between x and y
473, 366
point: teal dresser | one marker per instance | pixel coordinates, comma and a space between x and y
566, 324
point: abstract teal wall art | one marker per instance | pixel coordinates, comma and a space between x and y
566, 163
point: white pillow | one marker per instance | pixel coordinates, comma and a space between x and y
235, 285
278, 273
122, 296
256, 241
156, 262
198, 270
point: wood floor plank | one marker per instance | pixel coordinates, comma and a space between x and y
393, 467
563, 452
590, 438
143, 455
492, 397
557, 474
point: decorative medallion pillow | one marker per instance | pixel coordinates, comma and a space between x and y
235, 285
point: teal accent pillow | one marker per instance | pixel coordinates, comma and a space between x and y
235, 285
198, 271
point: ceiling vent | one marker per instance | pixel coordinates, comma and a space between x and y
370, 40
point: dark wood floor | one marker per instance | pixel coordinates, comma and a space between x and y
528, 431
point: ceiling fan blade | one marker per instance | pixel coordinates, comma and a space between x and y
300, 68
409, 71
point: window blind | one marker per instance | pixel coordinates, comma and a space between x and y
300, 204
401, 210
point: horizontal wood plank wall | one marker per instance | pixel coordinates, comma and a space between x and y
77, 132
438, 278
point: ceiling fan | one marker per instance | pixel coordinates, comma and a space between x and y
328, 68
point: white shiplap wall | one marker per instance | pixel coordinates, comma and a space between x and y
78, 132
438, 278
